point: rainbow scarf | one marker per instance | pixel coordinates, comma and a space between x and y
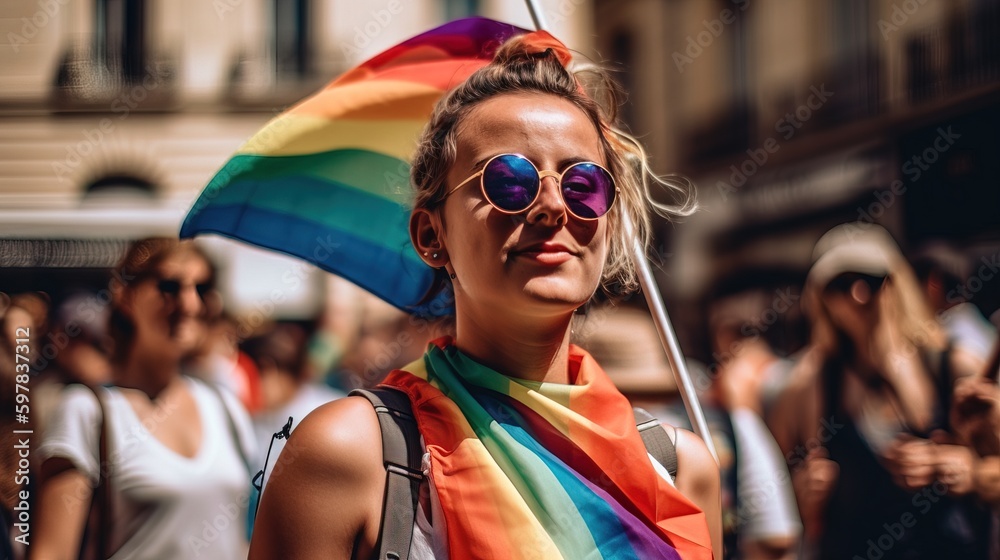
541, 470
328, 179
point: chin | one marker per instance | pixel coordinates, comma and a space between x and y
556, 294
187, 336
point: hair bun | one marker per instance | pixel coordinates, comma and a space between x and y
536, 44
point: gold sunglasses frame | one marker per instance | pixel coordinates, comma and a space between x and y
542, 174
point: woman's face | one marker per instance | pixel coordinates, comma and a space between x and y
543, 260
167, 309
853, 306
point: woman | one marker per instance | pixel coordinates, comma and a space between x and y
855, 421
173, 462
531, 452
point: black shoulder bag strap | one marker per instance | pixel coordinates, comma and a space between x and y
99, 518
402, 455
656, 440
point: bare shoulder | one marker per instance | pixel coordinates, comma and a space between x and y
342, 434
325, 491
696, 468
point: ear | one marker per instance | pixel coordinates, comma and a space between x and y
425, 234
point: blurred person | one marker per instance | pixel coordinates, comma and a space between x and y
524, 436
386, 339
175, 452
748, 378
218, 359
80, 330
28, 310
22, 317
337, 329
740, 319
976, 425
976, 409
288, 388
967, 463
79, 340
877, 376
943, 273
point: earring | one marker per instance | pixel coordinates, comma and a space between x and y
434, 256
425, 253
452, 276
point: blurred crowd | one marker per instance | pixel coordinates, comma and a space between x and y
856, 414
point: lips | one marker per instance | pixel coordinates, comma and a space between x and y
548, 252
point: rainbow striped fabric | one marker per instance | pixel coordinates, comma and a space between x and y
538, 470
328, 179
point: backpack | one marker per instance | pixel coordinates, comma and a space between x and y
402, 455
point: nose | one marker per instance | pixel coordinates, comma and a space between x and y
189, 302
549, 208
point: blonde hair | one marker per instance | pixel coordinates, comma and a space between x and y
517, 68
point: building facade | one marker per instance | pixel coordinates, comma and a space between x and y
115, 113
792, 116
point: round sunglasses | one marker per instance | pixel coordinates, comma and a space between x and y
511, 183
843, 283
172, 287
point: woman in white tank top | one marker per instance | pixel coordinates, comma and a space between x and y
176, 449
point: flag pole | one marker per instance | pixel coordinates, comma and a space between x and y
668, 338
537, 17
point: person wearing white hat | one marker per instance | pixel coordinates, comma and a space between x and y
856, 420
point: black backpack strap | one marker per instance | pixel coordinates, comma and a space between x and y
402, 455
656, 440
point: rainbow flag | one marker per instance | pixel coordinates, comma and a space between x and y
541, 470
328, 179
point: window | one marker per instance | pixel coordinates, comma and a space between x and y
292, 38
623, 53
115, 67
120, 38
856, 62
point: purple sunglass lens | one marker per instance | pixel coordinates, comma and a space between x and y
511, 182
588, 190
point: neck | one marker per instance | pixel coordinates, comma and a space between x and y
147, 372
860, 354
535, 349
